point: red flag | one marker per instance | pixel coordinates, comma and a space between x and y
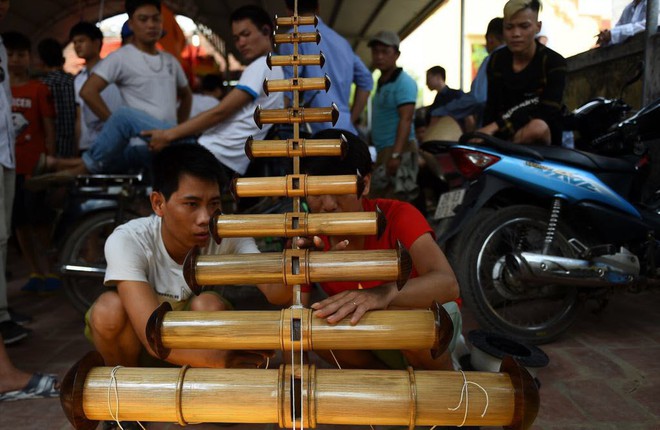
174, 40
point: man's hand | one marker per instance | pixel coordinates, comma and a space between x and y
392, 166
158, 139
489, 129
318, 244
247, 359
354, 303
604, 37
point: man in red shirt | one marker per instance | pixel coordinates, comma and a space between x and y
432, 278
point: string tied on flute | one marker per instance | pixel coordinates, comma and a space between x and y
465, 393
113, 384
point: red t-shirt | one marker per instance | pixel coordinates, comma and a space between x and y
31, 103
404, 223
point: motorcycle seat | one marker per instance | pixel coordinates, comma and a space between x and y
585, 160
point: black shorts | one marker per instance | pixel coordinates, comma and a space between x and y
30, 208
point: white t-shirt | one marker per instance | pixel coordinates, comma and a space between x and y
147, 82
201, 103
7, 157
90, 124
135, 252
227, 140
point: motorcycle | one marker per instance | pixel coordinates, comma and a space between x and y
538, 229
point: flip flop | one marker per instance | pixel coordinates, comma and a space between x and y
39, 386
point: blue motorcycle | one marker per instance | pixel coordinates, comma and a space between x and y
538, 229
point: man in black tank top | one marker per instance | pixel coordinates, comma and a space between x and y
525, 81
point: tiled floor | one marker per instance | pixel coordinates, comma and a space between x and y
602, 375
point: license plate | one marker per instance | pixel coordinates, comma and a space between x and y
448, 202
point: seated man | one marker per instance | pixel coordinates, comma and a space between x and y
145, 258
432, 278
631, 22
436, 78
525, 81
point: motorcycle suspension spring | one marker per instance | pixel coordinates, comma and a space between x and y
552, 225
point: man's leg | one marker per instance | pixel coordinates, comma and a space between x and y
111, 143
535, 131
7, 189
111, 331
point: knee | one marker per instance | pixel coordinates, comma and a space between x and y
107, 316
536, 131
207, 302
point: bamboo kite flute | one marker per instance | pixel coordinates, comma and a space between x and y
295, 148
297, 186
288, 329
322, 396
296, 267
294, 224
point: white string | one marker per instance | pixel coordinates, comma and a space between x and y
115, 415
464, 391
336, 361
267, 362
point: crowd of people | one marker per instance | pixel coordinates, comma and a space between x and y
134, 110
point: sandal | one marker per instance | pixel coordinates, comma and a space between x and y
39, 386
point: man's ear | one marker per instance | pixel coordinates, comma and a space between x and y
157, 201
540, 24
367, 184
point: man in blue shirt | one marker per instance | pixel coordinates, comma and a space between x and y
342, 66
473, 103
393, 104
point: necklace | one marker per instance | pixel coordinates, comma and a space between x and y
162, 63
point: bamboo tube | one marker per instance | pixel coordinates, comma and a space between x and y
295, 60
294, 224
296, 266
287, 21
297, 186
295, 148
296, 115
413, 329
296, 37
299, 84
321, 396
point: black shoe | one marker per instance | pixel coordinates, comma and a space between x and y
12, 332
19, 318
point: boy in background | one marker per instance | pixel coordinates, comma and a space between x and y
33, 116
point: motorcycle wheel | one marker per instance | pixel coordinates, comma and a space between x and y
531, 314
84, 247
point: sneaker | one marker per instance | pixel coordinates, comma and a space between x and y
12, 332
18, 318
35, 283
51, 283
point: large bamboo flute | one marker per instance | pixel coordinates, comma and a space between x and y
295, 148
295, 60
296, 267
296, 115
323, 396
294, 224
297, 186
285, 330
300, 84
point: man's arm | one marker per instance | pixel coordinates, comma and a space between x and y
185, 103
232, 102
364, 83
49, 135
91, 94
436, 282
139, 300
359, 102
406, 113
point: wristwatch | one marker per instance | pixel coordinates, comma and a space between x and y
396, 155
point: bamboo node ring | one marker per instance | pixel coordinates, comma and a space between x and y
178, 394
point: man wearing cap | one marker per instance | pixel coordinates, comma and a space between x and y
393, 107
525, 81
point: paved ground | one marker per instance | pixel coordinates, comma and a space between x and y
604, 374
